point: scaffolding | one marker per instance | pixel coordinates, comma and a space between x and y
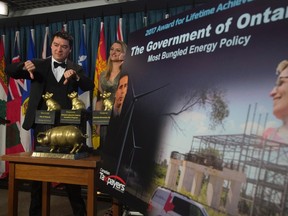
265, 163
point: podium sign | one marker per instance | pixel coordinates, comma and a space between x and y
45, 117
70, 117
101, 117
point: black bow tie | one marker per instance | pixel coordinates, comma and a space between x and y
56, 64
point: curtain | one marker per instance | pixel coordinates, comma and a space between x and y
131, 22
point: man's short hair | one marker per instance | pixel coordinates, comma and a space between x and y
64, 35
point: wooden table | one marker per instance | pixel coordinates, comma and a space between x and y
24, 166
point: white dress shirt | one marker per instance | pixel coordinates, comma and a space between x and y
59, 71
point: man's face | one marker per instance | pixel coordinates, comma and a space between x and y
60, 49
121, 91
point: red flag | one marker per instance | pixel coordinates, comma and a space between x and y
3, 78
100, 66
64, 27
119, 30
3, 99
46, 51
15, 86
169, 206
13, 142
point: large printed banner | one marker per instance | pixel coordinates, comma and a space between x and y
202, 128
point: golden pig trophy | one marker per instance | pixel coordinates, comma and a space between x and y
108, 104
62, 136
77, 104
51, 104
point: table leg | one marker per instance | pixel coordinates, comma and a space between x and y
12, 192
116, 209
91, 193
45, 198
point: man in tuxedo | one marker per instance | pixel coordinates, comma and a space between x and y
60, 76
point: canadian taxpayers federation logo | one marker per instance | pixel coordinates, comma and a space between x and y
113, 181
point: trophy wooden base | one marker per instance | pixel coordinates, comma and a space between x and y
60, 155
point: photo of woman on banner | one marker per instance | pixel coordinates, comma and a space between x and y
279, 95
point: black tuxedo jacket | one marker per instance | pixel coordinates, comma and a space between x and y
43, 67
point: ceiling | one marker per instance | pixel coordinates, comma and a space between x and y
18, 5
27, 12
32, 4
21, 8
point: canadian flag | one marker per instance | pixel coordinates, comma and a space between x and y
169, 206
119, 30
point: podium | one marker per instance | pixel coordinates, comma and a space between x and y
22, 166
